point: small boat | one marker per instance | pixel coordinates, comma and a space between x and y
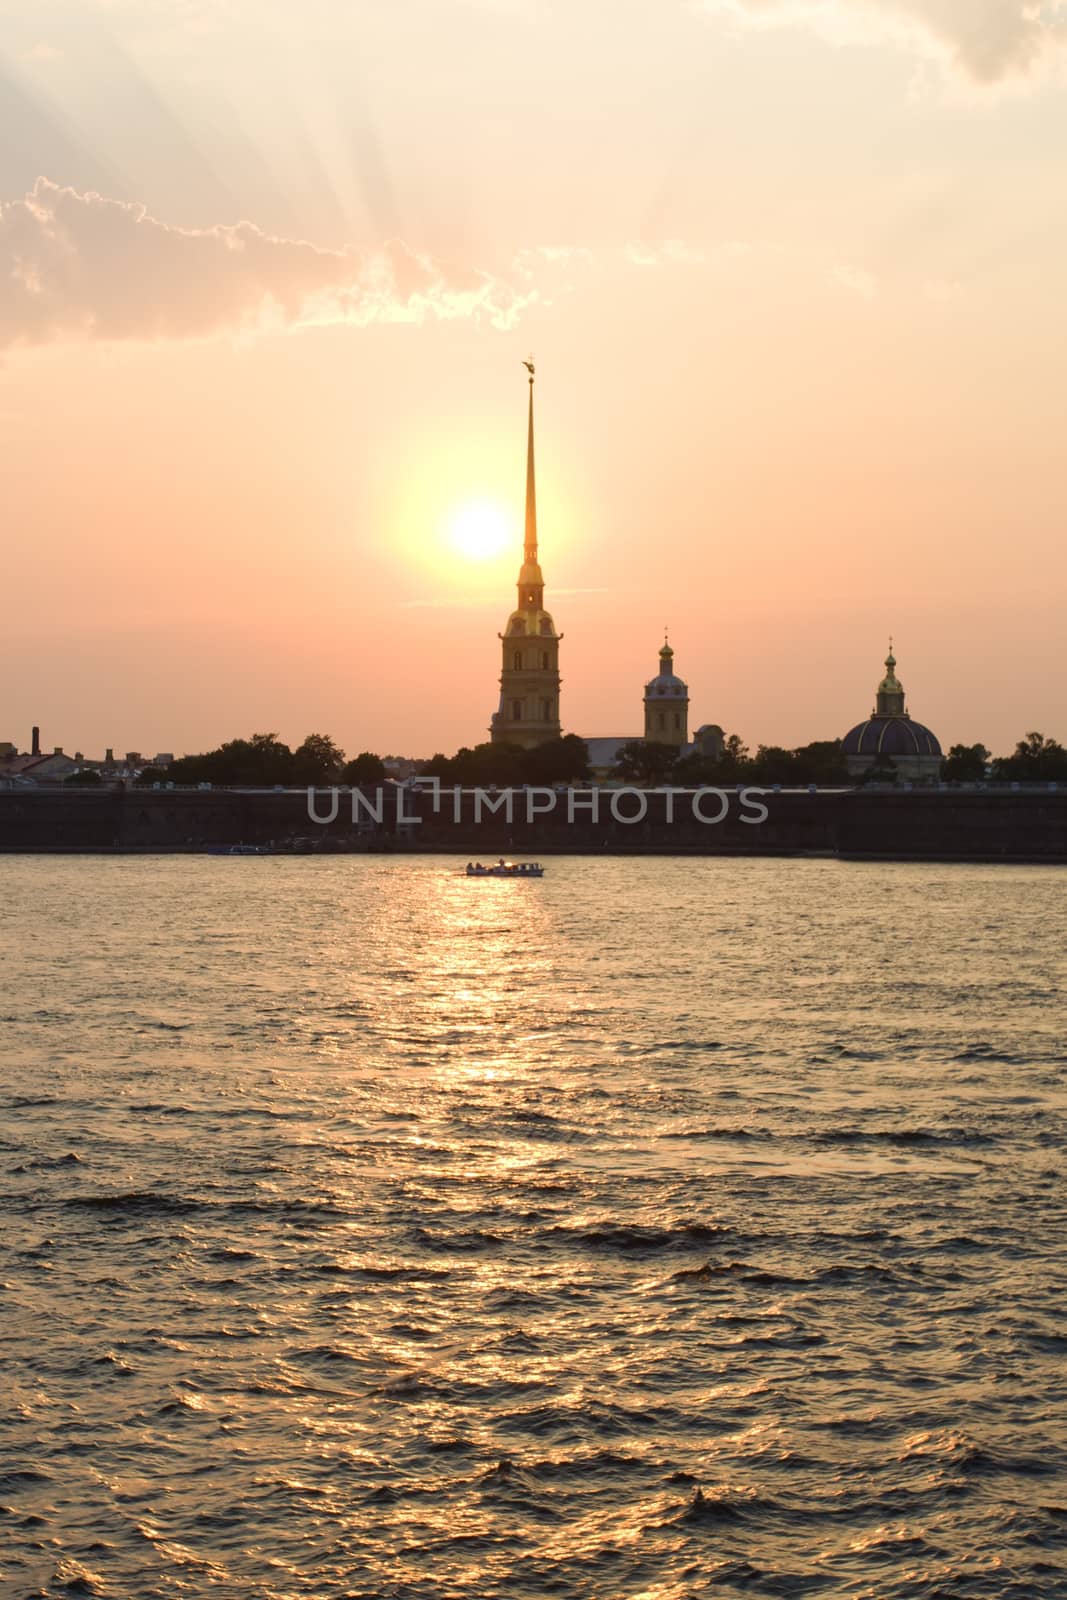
506, 869
237, 850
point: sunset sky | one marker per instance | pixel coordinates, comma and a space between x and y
794, 274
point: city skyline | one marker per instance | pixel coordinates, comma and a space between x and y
795, 392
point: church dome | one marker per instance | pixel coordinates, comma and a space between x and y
666, 685
889, 732
890, 736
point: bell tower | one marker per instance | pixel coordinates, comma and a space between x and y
666, 703
528, 713
890, 695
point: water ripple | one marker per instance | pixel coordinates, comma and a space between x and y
682, 1228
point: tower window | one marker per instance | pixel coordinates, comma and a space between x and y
516, 710
677, 720
544, 660
546, 710
662, 720
516, 660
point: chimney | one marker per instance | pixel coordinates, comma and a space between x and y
35, 746
58, 751
109, 757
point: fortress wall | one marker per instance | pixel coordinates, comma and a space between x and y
948, 825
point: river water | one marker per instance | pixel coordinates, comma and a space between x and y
659, 1229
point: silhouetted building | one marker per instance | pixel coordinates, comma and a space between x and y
528, 713
38, 768
890, 738
709, 740
602, 753
667, 704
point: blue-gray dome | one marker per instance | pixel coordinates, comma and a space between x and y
890, 736
664, 685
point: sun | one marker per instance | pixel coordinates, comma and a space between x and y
479, 529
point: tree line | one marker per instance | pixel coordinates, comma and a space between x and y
508, 766
263, 761
1034, 760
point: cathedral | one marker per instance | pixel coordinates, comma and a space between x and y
528, 713
890, 739
528, 710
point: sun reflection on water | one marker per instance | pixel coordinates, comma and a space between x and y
552, 1237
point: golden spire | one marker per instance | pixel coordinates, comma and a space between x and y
530, 549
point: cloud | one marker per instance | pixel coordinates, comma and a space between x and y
988, 40
669, 252
855, 280
83, 266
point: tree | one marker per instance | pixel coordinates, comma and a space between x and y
735, 754
733, 766
481, 767
259, 762
363, 770
88, 776
502, 764
965, 763
1036, 760
645, 761
774, 765
563, 760
317, 760
694, 770
438, 766
150, 775
821, 762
